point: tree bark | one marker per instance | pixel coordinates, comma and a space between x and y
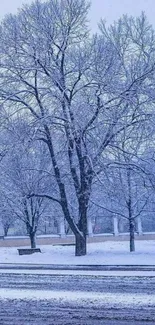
80, 245
131, 219
33, 239
132, 235
82, 226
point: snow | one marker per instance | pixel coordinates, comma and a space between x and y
81, 298
81, 272
105, 253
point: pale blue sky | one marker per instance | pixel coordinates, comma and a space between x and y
108, 9
113, 9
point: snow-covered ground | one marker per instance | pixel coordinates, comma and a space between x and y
106, 253
92, 298
81, 298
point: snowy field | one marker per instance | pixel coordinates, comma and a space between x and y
106, 253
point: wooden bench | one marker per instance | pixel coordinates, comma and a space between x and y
27, 251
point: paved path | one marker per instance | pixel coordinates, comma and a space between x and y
17, 241
45, 300
32, 313
83, 283
30, 266
28, 313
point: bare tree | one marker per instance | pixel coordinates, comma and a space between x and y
23, 173
7, 219
78, 93
122, 183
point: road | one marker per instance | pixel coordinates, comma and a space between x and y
27, 299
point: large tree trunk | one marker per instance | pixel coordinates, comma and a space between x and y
82, 192
80, 245
33, 239
81, 239
132, 235
131, 219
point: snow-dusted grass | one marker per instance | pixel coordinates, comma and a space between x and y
105, 253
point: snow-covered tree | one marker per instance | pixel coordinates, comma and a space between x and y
78, 92
23, 173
